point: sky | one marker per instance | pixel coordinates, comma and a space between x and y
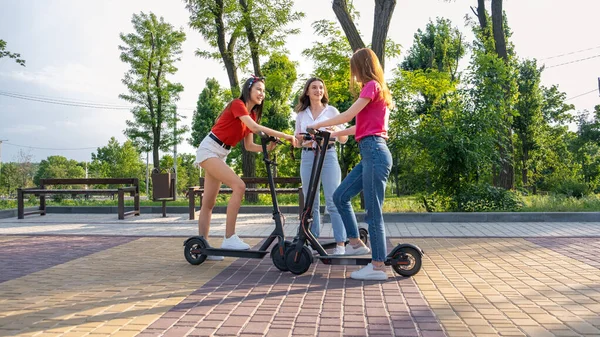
71, 53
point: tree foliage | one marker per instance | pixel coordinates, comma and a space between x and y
211, 102
151, 51
6, 53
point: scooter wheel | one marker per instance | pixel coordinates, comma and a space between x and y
278, 255
191, 251
364, 236
298, 263
409, 261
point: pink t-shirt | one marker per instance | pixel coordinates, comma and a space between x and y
373, 118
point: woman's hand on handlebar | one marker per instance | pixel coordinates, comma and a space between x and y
292, 139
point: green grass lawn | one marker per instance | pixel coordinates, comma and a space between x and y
403, 204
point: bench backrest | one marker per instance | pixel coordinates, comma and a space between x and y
264, 180
89, 181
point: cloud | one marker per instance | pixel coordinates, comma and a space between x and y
71, 77
24, 129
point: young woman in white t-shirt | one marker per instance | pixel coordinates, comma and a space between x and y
313, 107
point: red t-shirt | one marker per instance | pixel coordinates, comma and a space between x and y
229, 128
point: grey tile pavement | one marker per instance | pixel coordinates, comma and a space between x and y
261, 225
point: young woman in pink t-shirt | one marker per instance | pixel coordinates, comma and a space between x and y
371, 174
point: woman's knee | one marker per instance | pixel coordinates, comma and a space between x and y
238, 187
338, 198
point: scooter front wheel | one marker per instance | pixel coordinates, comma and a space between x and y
406, 261
278, 255
298, 262
192, 249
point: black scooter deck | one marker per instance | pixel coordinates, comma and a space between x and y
252, 254
345, 260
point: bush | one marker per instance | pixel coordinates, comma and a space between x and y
572, 188
485, 198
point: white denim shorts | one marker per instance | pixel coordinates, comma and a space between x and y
210, 149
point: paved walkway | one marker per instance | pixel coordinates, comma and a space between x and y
91, 275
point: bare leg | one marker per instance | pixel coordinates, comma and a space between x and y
223, 173
211, 190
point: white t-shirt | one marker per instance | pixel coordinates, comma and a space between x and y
305, 118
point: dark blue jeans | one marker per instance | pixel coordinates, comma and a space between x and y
369, 176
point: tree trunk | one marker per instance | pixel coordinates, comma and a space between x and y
251, 39
384, 9
498, 29
505, 175
340, 8
481, 14
226, 50
524, 169
249, 170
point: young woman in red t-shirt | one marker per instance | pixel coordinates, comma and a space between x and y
239, 120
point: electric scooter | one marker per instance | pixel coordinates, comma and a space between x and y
196, 248
405, 258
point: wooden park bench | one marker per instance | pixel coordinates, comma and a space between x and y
199, 190
132, 187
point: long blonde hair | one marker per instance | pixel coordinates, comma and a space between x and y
365, 67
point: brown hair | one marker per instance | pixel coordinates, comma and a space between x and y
245, 96
304, 101
365, 67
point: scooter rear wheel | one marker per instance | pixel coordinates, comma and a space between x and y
364, 236
298, 263
191, 248
409, 261
278, 255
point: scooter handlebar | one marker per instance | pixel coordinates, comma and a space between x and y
269, 138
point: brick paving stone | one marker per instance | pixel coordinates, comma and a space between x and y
321, 300
31, 254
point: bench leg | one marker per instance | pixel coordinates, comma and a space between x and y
43, 204
136, 203
121, 204
164, 209
20, 204
192, 204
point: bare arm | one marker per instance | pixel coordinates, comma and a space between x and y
343, 134
250, 145
256, 128
345, 116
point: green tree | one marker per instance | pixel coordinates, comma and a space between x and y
211, 102
281, 76
432, 146
58, 167
151, 52
528, 121
267, 26
492, 40
6, 53
117, 161
9, 179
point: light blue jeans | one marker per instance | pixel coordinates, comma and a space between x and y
331, 176
370, 176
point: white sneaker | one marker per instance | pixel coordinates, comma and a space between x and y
339, 250
234, 242
361, 250
215, 258
370, 274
